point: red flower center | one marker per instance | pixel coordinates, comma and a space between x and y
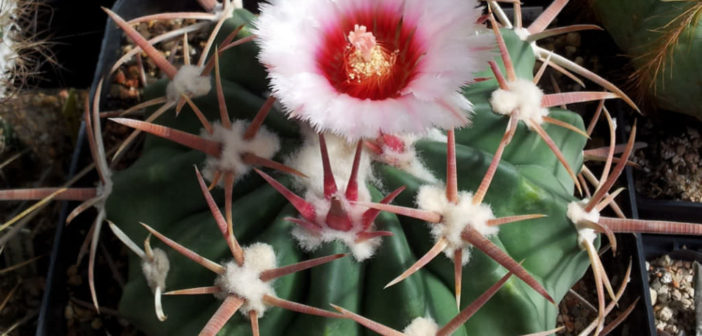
370, 54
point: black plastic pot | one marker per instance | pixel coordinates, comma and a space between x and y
675, 210
654, 246
649, 246
669, 210
50, 312
644, 311
67, 241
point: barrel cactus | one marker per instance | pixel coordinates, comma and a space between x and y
662, 40
370, 181
161, 190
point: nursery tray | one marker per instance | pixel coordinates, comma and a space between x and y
649, 246
676, 210
630, 249
686, 248
669, 210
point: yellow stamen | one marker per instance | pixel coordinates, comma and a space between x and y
366, 58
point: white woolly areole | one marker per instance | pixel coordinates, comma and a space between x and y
577, 214
264, 144
291, 36
244, 281
308, 160
455, 217
310, 241
155, 269
421, 326
522, 33
188, 81
523, 100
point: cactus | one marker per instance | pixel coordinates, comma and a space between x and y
8, 48
10, 12
662, 40
495, 196
521, 186
21, 48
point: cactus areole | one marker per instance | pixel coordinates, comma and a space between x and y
341, 71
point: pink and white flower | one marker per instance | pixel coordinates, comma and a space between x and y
359, 67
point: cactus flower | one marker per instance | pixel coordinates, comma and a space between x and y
359, 67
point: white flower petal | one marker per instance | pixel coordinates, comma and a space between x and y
444, 52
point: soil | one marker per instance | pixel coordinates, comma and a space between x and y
37, 143
579, 307
671, 165
672, 289
128, 81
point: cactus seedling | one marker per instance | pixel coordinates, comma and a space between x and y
8, 52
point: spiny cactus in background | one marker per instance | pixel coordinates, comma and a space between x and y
496, 195
20, 51
9, 17
662, 38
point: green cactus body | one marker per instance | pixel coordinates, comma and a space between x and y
160, 189
664, 40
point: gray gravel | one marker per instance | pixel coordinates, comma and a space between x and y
672, 287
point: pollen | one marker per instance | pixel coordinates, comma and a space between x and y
365, 58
